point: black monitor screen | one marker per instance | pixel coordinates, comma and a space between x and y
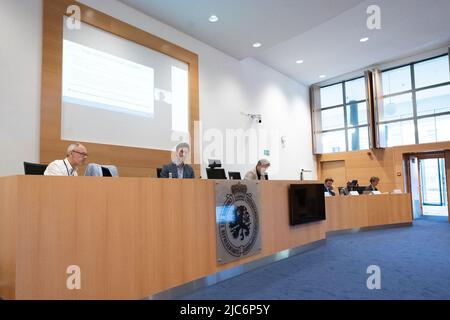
234, 175
216, 173
306, 203
106, 172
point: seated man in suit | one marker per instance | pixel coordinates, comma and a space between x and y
373, 184
259, 172
76, 156
178, 168
328, 186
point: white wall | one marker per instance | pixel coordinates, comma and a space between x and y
20, 81
227, 88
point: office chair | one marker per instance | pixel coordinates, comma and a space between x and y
158, 172
34, 168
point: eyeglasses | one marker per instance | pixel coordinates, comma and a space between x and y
81, 153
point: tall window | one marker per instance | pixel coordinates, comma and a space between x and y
341, 121
415, 107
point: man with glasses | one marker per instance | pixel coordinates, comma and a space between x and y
259, 172
76, 156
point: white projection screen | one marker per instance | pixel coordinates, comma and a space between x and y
117, 92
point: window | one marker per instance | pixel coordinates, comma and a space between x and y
431, 72
358, 138
341, 120
397, 133
331, 96
397, 107
397, 80
432, 101
333, 118
356, 114
332, 141
434, 129
355, 90
415, 107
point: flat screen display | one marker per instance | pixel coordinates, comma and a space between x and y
306, 203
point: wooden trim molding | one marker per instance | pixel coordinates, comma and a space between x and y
130, 161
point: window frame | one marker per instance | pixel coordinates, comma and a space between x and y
413, 91
344, 105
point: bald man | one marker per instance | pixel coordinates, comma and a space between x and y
258, 172
76, 156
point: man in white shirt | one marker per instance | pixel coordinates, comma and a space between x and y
76, 157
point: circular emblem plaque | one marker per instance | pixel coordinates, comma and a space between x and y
239, 224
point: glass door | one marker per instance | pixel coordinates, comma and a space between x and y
433, 186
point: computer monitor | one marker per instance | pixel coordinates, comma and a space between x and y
234, 175
216, 174
106, 172
306, 203
214, 163
34, 168
360, 189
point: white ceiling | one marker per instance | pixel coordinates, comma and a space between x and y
323, 33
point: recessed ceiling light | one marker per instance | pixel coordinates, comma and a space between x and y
322, 76
257, 45
299, 61
364, 39
213, 18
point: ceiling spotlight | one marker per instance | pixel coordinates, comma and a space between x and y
213, 18
299, 61
322, 76
257, 45
364, 39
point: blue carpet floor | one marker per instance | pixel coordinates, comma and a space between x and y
414, 263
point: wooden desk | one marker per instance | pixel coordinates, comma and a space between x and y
348, 212
131, 237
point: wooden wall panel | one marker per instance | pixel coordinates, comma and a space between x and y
335, 170
9, 198
130, 161
384, 163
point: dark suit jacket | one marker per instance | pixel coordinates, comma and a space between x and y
331, 192
371, 188
188, 172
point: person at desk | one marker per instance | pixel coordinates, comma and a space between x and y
328, 186
75, 157
350, 187
373, 184
259, 172
178, 168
